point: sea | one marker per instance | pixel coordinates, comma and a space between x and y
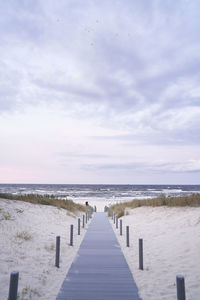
81, 193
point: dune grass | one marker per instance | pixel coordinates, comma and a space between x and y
24, 235
46, 200
162, 200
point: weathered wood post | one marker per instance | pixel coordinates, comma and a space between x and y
79, 226
141, 254
109, 212
120, 227
127, 237
114, 218
180, 285
71, 234
83, 225
116, 221
86, 218
57, 251
14, 276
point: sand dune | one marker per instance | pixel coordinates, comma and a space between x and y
171, 238
27, 239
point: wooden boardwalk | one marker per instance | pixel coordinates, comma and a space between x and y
99, 271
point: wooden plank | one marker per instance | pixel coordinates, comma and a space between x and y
99, 270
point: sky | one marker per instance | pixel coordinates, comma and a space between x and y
100, 91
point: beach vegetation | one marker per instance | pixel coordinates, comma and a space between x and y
5, 215
24, 235
46, 200
28, 293
162, 200
50, 247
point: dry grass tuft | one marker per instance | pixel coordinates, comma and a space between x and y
28, 293
24, 235
50, 248
162, 200
5, 215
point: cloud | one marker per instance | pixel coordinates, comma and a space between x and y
191, 166
129, 69
82, 155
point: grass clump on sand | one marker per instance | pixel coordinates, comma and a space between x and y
24, 235
4, 215
162, 200
50, 247
46, 200
28, 293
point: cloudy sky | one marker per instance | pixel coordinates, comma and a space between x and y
100, 91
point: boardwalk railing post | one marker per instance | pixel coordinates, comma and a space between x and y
141, 254
79, 226
86, 216
120, 227
116, 221
109, 212
14, 276
57, 251
180, 285
83, 221
71, 235
127, 237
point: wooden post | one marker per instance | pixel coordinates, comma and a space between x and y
180, 285
86, 218
57, 251
83, 225
79, 226
71, 235
140, 254
14, 276
116, 221
120, 227
127, 237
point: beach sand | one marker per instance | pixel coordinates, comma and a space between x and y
171, 238
171, 242
27, 244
